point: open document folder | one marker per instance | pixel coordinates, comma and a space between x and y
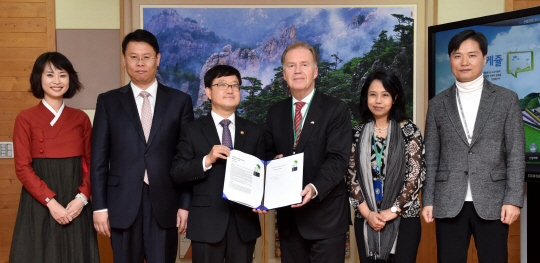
248, 179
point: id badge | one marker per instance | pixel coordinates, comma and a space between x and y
378, 188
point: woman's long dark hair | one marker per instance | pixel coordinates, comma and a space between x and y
391, 84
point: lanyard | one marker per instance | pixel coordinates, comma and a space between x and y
378, 156
297, 133
463, 116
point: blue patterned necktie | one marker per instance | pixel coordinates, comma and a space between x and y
226, 138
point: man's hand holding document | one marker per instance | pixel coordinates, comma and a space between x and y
248, 179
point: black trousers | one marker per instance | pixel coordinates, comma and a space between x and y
410, 232
231, 248
454, 237
145, 238
296, 249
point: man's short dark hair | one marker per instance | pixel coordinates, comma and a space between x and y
219, 71
456, 41
58, 61
392, 84
140, 35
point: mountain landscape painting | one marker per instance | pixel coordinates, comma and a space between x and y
351, 41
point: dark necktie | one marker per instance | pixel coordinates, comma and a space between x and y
298, 120
226, 139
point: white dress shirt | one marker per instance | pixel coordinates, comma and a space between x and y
56, 114
469, 95
219, 128
139, 100
307, 99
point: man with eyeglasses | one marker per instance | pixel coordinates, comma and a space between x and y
136, 128
218, 229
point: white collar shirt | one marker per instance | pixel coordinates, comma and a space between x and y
56, 114
139, 100
219, 128
307, 99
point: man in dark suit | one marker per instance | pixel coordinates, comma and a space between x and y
475, 159
136, 128
314, 230
218, 229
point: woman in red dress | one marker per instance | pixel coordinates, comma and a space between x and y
52, 159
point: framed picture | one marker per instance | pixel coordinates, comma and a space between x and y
352, 41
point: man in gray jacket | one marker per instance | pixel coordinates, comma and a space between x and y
475, 146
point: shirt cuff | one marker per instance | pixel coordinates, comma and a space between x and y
316, 192
82, 198
101, 210
204, 167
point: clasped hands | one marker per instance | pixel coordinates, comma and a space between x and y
377, 221
65, 215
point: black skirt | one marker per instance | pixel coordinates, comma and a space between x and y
37, 236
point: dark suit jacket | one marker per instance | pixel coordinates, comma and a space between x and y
326, 143
496, 176
209, 212
120, 155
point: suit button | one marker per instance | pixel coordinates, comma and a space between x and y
141, 178
41, 140
470, 153
41, 151
466, 173
146, 155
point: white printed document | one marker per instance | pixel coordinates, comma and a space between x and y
248, 179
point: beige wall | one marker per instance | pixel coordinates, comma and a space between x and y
456, 10
88, 33
85, 14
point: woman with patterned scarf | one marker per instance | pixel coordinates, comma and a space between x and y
385, 174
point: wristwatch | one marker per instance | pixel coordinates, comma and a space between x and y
394, 209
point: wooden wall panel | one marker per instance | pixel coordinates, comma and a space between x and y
22, 39
27, 30
427, 250
31, 10
14, 84
23, 25
522, 4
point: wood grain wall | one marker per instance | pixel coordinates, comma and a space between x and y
27, 29
511, 5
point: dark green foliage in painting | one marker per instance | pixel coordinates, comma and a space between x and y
206, 108
258, 101
344, 79
174, 76
387, 53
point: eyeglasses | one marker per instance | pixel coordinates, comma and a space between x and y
225, 86
135, 59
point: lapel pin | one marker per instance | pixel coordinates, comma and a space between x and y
312, 122
242, 132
